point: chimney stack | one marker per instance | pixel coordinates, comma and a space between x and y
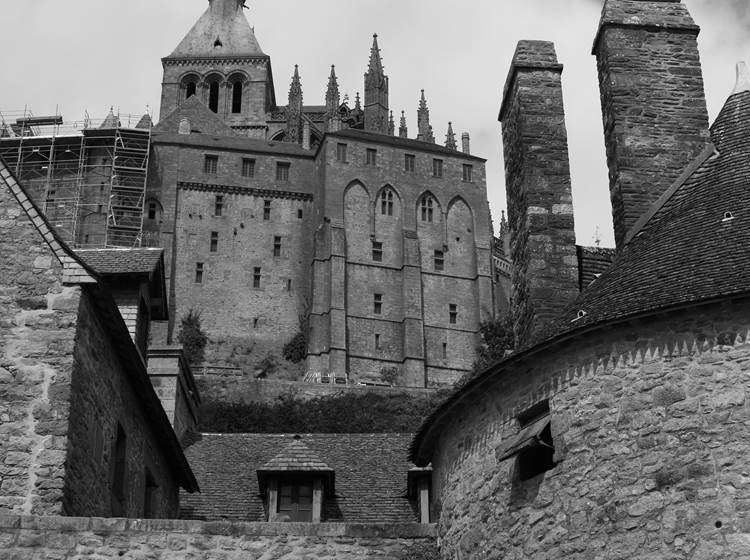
465, 143
653, 103
540, 205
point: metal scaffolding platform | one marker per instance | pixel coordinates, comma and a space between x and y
88, 177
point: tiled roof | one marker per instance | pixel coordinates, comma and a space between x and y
296, 457
592, 262
121, 261
371, 476
694, 249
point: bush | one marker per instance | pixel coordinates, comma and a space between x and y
192, 337
296, 349
389, 375
341, 413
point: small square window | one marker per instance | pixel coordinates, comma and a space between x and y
218, 205
199, 273
409, 161
377, 304
214, 242
377, 251
299, 214
437, 167
282, 171
467, 172
266, 209
210, 165
248, 167
439, 260
372, 156
452, 313
341, 152
277, 246
256, 277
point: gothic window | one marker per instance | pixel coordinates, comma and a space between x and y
237, 97
190, 90
152, 210
427, 207
213, 97
386, 203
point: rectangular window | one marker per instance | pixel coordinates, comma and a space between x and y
372, 156
248, 167
214, 242
445, 350
150, 490
296, 501
341, 152
266, 209
377, 251
409, 160
282, 171
152, 210
467, 173
218, 205
439, 260
452, 313
377, 342
277, 246
199, 273
299, 214
119, 473
377, 304
288, 284
210, 164
256, 277
437, 167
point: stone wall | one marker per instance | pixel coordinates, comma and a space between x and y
37, 333
29, 538
653, 103
650, 427
103, 399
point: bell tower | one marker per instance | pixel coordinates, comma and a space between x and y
220, 63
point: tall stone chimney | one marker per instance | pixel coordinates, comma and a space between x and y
653, 103
537, 176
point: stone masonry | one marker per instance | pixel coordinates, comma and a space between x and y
653, 104
540, 203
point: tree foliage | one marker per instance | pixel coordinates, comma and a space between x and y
497, 340
192, 337
368, 412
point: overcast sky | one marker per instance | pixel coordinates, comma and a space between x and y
90, 54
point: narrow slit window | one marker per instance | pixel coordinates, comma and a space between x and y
377, 342
119, 473
299, 214
256, 277
445, 350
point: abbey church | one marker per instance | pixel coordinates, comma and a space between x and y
617, 427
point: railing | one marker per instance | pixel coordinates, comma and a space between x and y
207, 369
325, 378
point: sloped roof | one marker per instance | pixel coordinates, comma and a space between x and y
296, 457
201, 118
122, 261
695, 248
222, 31
371, 476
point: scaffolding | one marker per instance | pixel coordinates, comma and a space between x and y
88, 177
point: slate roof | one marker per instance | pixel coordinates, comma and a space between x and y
202, 120
592, 262
223, 20
122, 261
371, 473
296, 457
689, 252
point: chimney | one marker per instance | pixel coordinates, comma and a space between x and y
306, 135
174, 384
465, 143
537, 176
653, 103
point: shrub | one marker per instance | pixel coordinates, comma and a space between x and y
389, 375
192, 337
296, 349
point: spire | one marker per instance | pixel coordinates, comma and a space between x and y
403, 132
423, 122
450, 138
376, 92
391, 125
357, 103
294, 110
222, 30
333, 102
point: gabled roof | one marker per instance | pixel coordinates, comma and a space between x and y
371, 475
201, 119
295, 457
694, 249
222, 31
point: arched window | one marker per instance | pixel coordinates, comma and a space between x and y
190, 90
237, 97
427, 206
213, 97
386, 203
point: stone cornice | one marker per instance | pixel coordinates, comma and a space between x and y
257, 60
248, 191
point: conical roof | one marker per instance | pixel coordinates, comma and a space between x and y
221, 31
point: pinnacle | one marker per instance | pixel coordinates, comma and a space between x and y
743, 78
376, 62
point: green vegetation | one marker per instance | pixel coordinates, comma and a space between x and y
369, 412
192, 337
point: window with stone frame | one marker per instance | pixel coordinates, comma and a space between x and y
199, 273
277, 246
377, 251
409, 163
452, 313
266, 209
439, 260
210, 164
341, 152
427, 208
248, 167
218, 205
437, 167
386, 202
467, 172
371, 155
282, 171
377, 304
214, 244
256, 277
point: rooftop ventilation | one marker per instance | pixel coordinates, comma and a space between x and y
728, 216
580, 315
218, 42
